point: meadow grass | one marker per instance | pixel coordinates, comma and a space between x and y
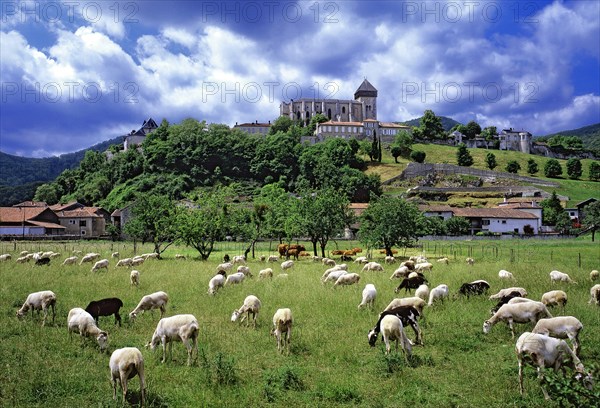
330, 364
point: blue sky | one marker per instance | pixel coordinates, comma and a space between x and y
75, 73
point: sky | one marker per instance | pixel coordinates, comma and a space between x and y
75, 73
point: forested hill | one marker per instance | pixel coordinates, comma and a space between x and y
447, 123
589, 135
16, 170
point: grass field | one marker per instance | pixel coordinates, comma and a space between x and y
330, 364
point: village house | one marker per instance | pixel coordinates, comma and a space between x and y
136, 137
254, 127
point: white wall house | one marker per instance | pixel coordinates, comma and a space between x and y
499, 220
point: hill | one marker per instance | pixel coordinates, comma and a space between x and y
589, 135
447, 123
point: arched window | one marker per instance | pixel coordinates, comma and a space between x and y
329, 113
343, 109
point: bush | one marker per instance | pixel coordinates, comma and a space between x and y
574, 169
463, 157
594, 171
513, 166
552, 168
418, 156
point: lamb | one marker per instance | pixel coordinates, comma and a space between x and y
554, 298
235, 278
39, 301
316, 258
285, 265
503, 274
83, 323
411, 283
265, 273
506, 291
557, 276
595, 294
90, 257
422, 292
72, 260
401, 272
100, 264
347, 279
134, 278
594, 275
105, 307
470, 261
372, 266
182, 327
216, 282
477, 287
517, 313
125, 262
391, 329
504, 300
334, 276
156, 300
546, 351
125, 363
282, 324
251, 306
245, 270
561, 327
408, 315
369, 294
438, 293
415, 302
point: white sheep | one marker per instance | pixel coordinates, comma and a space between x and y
180, 257
544, 351
285, 265
239, 259
5, 257
470, 261
282, 324
391, 329
504, 274
414, 301
561, 327
265, 273
137, 260
594, 275
251, 306
438, 293
150, 255
555, 298
245, 270
235, 278
372, 266
39, 301
334, 276
216, 282
328, 271
400, 273
390, 259
505, 292
72, 260
115, 255
134, 278
316, 258
100, 264
347, 279
444, 260
409, 264
272, 258
424, 266
517, 313
156, 300
125, 363
557, 276
83, 323
183, 328
125, 262
90, 257
23, 259
369, 294
328, 262
595, 294
361, 260
422, 292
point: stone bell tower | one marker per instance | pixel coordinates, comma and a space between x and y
367, 95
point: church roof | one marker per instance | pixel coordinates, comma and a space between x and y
365, 89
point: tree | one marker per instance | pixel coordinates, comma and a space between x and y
436, 226
574, 169
389, 222
513, 166
551, 208
430, 126
278, 207
591, 218
463, 157
281, 124
396, 152
418, 156
472, 129
563, 223
532, 167
594, 171
489, 133
552, 168
404, 140
457, 226
490, 160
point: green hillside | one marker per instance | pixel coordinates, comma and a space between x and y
447, 123
589, 135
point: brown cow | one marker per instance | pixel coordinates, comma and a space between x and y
337, 252
282, 249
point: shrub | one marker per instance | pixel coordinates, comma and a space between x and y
418, 156
552, 168
574, 169
513, 166
594, 171
532, 167
463, 157
490, 160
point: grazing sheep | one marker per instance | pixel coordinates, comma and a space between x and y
409, 264
334, 276
504, 292
137, 260
422, 267
125, 262
561, 327
216, 282
100, 264
557, 276
39, 301
90, 257
444, 260
422, 292
151, 255
285, 265
115, 255
72, 260
239, 259
369, 294
408, 284
105, 307
265, 273
517, 313
180, 256
401, 272
42, 261
438, 293
245, 270
328, 271
595, 295
183, 328
272, 258
544, 351
594, 275
347, 279
125, 363
23, 259
478, 287
408, 315
134, 278
503, 274
361, 260
328, 262
251, 306
316, 258
156, 300
282, 324
372, 266
235, 278
504, 300
415, 302
392, 330
390, 259
5, 257
470, 261
83, 323
555, 298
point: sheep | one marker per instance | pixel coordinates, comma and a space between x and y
503, 274
100, 264
506, 291
156, 300
125, 262
272, 258
265, 273
444, 260
477, 287
90, 257
504, 300
235, 278
390, 259
408, 315
347, 279
5, 257
594, 275
239, 259
422, 267
401, 272
216, 282
134, 278
39, 301
115, 255
369, 294
372, 266
72, 260
422, 292
328, 262
105, 307
470, 261
285, 265
83, 323
415, 302
361, 260
42, 261
554, 298
125, 363
23, 253
561, 327
282, 324
251, 306
316, 258
517, 313
410, 283
409, 264
183, 328
180, 257
22, 259
151, 255
557, 276
245, 270
328, 271
438, 293
544, 351
595, 294
137, 260
391, 329
334, 276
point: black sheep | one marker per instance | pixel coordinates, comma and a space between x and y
504, 300
105, 307
411, 283
478, 287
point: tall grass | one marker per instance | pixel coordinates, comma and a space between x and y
330, 364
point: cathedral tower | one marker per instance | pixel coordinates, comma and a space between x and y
367, 95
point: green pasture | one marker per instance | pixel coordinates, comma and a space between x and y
330, 364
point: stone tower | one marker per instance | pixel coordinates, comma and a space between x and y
525, 142
367, 95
